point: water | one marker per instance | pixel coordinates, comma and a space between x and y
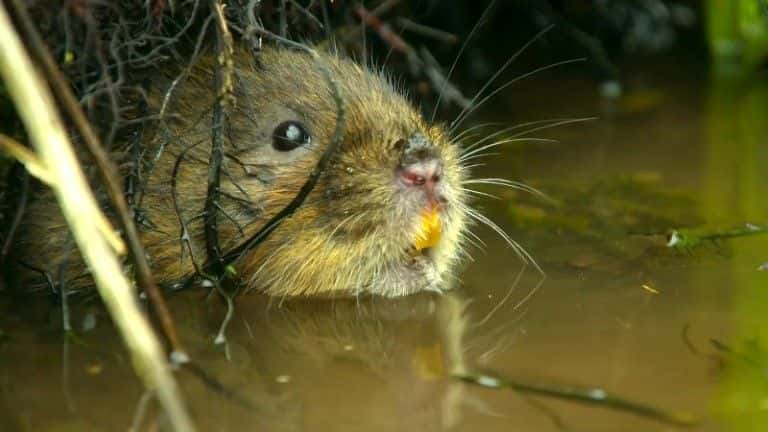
618, 310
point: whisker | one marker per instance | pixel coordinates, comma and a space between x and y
519, 250
466, 156
510, 184
478, 193
476, 241
467, 153
479, 23
466, 255
506, 64
506, 297
536, 123
472, 108
254, 277
470, 166
345, 220
555, 124
531, 293
474, 128
479, 156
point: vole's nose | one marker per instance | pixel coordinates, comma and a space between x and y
424, 173
421, 167
424, 176
419, 161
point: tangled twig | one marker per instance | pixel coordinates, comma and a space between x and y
35, 106
108, 174
224, 85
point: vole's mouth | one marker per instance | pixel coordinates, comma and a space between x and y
416, 254
428, 233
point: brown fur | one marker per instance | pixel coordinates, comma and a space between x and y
354, 230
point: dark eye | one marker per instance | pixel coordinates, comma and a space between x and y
289, 135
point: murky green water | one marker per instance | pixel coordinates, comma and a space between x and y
618, 310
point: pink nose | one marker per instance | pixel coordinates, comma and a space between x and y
424, 173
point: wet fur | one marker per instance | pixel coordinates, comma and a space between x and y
352, 233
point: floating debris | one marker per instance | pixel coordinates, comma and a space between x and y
692, 238
650, 289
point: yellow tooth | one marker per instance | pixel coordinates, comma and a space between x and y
429, 229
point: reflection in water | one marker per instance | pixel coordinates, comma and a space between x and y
335, 365
349, 364
737, 134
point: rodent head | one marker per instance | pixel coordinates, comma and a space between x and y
386, 216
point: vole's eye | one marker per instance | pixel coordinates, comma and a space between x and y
290, 134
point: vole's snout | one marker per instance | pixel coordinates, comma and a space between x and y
421, 168
424, 173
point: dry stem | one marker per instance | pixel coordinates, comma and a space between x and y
35, 106
108, 173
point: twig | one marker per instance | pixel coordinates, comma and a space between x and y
431, 32
223, 82
26, 157
464, 45
21, 207
385, 7
141, 411
305, 11
382, 29
440, 83
35, 106
596, 52
283, 19
214, 384
450, 92
184, 237
221, 335
37, 168
66, 385
252, 12
326, 20
689, 239
591, 396
109, 175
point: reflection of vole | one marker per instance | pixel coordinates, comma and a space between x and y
386, 217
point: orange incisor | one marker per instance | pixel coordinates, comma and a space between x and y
429, 229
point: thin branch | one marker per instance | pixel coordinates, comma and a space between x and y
21, 207
590, 396
26, 157
184, 237
109, 175
36, 167
35, 106
691, 238
430, 32
224, 84
424, 63
283, 20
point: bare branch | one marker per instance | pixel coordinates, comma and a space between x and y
35, 106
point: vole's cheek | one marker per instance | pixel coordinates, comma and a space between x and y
258, 176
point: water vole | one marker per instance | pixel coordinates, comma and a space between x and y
387, 216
